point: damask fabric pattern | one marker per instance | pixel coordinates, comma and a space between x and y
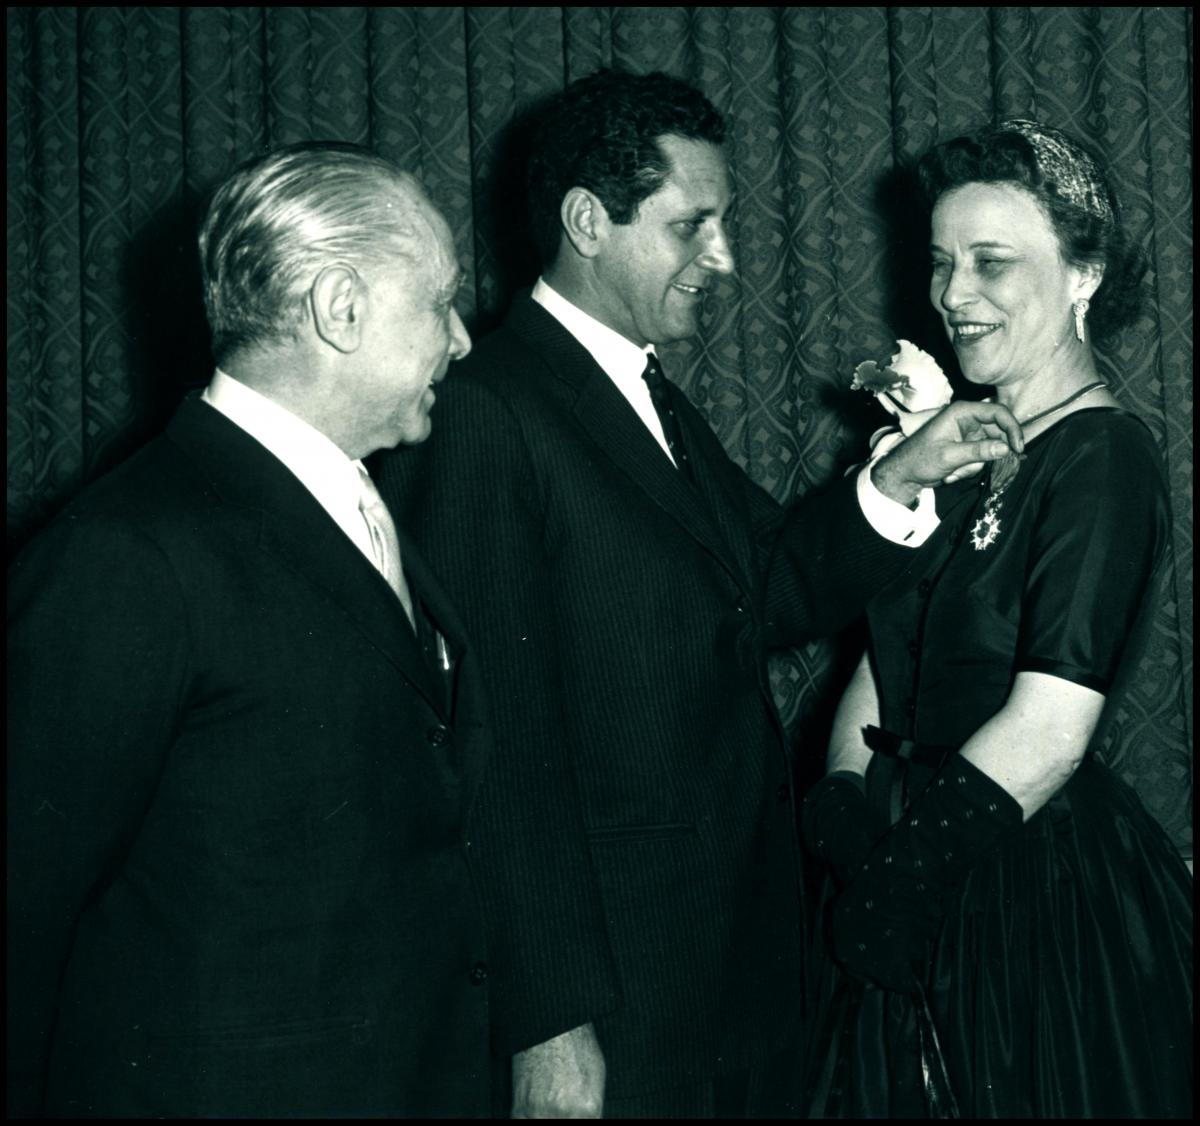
121, 119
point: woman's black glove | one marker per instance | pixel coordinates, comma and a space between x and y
883, 920
838, 825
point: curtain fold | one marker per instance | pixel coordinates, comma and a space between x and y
120, 120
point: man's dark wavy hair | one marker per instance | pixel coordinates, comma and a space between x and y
601, 133
996, 156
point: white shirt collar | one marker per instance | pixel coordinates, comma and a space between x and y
621, 360
321, 466
618, 356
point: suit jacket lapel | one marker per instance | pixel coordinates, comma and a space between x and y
295, 528
614, 426
724, 498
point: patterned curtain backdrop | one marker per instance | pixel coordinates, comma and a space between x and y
121, 119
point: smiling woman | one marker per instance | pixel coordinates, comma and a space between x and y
965, 802
1006, 296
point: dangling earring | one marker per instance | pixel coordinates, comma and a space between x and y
1080, 308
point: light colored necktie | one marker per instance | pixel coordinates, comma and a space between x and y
383, 541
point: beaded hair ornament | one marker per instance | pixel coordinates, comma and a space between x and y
1076, 176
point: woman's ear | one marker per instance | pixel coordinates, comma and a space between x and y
1087, 281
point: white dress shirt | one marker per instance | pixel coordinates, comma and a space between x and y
623, 362
319, 464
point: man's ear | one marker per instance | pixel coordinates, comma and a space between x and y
337, 301
585, 222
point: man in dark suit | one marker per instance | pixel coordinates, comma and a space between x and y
623, 580
249, 871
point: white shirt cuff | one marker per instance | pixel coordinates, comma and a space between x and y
909, 527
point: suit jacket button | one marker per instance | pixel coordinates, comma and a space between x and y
437, 736
784, 792
924, 587
479, 973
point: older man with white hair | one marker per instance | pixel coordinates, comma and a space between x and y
248, 873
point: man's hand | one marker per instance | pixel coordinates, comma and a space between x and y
954, 444
560, 1078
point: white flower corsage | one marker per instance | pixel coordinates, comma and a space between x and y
910, 386
914, 388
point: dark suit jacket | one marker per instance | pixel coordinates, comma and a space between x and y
240, 869
622, 621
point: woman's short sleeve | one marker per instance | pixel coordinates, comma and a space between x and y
1099, 538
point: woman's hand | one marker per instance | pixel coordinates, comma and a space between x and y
884, 919
838, 824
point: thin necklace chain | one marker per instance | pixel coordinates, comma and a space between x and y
1004, 469
1066, 402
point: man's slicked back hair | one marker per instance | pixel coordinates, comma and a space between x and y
281, 218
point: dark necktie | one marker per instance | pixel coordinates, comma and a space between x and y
660, 396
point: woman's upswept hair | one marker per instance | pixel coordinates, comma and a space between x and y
1086, 219
601, 133
280, 218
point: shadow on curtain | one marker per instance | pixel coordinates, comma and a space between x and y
120, 120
